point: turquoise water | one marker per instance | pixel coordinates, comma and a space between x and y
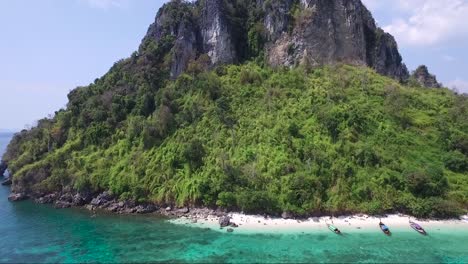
39, 234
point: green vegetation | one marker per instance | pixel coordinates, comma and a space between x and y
306, 141
337, 139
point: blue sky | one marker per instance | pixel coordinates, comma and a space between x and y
48, 47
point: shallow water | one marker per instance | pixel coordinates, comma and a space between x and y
40, 233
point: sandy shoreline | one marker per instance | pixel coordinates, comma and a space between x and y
260, 224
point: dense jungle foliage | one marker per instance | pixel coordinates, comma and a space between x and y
334, 139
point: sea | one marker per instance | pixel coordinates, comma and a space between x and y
33, 233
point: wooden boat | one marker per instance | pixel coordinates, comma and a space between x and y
417, 228
384, 229
334, 229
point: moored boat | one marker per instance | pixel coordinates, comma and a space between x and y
334, 229
384, 229
417, 228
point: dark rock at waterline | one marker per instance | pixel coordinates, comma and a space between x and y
224, 221
102, 199
145, 209
96, 202
62, 204
113, 207
230, 230
66, 198
81, 199
47, 199
131, 210
184, 210
15, 197
3, 168
233, 225
90, 207
7, 182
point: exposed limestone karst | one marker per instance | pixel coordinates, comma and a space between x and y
318, 32
424, 78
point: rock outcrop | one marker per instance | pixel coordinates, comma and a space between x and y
224, 221
15, 197
7, 182
175, 22
313, 32
3, 168
327, 32
424, 78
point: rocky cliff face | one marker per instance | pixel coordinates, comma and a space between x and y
176, 21
217, 40
424, 78
315, 32
326, 32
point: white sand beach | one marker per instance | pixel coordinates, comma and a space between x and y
362, 222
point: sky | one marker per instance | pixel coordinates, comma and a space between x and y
49, 47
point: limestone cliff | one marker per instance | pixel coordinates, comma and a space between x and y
327, 32
424, 78
292, 32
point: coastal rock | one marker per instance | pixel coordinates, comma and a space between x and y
131, 210
80, 199
3, 168
424, 78
224, 221
66, 198
90, 207
230, 230
184, 210
62, 204
47, 199
219, 213
102, 199
114, 207
286, 215
15, 197
95, 202
168, 209
145, 209
105, 196
7, 182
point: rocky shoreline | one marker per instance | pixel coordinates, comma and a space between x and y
107, 202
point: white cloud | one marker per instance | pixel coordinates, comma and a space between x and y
104, 4
428, 22
459, 85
